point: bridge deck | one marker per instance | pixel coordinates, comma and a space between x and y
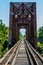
22, 53
21, 56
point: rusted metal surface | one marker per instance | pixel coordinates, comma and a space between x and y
22, 15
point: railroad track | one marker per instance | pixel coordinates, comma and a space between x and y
22, 53
8, 57
34, 57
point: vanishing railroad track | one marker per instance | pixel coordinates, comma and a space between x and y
22, 53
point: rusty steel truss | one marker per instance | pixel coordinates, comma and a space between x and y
22, 15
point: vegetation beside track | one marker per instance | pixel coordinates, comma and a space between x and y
4, 34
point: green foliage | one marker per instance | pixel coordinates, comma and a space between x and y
4, 31
40, 47
22, 37
40, 39
40, 35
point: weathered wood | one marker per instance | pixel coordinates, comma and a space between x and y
21, 58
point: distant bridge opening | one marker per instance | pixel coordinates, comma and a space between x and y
22, 33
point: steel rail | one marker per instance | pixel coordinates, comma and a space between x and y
12, 56
5, 58
33, 54
33, 57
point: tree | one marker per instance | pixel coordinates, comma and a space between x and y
20, 35
40, 40
4, 31
40, 35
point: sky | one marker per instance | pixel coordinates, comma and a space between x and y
5, 11
22, 31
